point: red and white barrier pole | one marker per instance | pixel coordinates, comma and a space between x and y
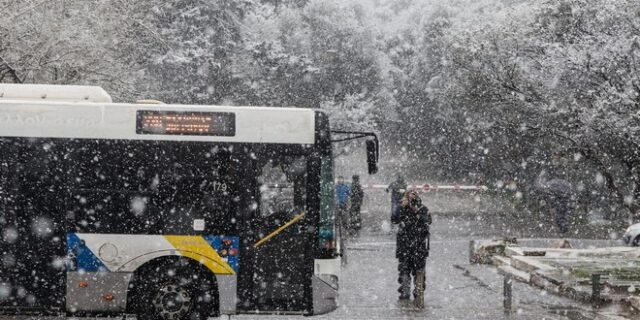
432, 188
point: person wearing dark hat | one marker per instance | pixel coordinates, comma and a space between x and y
412, 246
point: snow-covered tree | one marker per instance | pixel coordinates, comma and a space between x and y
321, 55
66, 42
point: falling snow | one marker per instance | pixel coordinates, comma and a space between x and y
508, 118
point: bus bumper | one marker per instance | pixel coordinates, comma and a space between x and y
325, 285
89, 292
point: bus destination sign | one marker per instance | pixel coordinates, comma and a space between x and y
191, 123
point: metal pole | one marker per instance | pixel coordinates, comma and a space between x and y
595, 290
472, 246
507, 294
279, 230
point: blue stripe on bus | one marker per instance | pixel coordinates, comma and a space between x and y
81, 257
216, 243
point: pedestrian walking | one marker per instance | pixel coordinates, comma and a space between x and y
412, 246
397, 188
357, 195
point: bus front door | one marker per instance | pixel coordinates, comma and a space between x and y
281, 275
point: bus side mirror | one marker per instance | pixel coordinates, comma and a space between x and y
372, 156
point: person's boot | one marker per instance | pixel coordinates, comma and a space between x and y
419, 294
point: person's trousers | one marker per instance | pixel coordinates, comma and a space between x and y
408, 269
355, 220
561, 218
395, 206
343, 215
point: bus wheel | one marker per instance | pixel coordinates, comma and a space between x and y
177, 293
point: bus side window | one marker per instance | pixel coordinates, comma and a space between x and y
276, 192
283, 187
196, 183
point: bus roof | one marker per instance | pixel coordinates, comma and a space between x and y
47, 92
94, 118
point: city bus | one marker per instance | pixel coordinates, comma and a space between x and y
164, 211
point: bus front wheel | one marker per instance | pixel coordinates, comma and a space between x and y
176, 292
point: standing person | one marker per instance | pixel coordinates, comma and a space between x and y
556, 192
357, 194
412, 246
559, 197
343, 192
397, 188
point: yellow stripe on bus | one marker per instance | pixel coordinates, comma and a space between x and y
197, 248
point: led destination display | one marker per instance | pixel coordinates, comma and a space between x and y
186, 123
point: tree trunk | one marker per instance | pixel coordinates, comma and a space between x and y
609, 180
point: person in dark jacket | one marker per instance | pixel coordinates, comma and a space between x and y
357, 194
412, 246
397, 189
559, 191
